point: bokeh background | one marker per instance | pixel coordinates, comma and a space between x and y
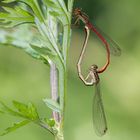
24, 79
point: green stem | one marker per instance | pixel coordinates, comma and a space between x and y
58, 87
59, 136
40, 123
62, 77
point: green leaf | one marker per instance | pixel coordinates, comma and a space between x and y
8, 110
15, 16
28, 111
19, 38
51, 3
42, 42
54, 13
8, 1
22, 108
45, 53
50, 122
52, 105
57, 8
70, 5
33, 111
34, 5
43, 50
48, 33
25, 111
14, 127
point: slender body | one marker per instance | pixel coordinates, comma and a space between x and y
92, 79
99, 118
88, 26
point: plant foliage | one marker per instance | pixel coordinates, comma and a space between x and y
25, 24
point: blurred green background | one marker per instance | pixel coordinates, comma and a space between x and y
24, 79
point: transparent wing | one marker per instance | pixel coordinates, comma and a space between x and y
99, 119
114, 47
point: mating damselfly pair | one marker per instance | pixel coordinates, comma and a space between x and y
92, 78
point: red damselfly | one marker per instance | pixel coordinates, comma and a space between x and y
111, 46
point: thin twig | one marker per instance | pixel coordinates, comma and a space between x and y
45, 126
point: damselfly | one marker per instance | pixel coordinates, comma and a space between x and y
92, 78
99, 119
110, 45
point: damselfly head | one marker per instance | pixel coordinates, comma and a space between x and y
93, 67
77, 11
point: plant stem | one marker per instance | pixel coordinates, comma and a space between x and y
58, 76
45, 127
53, 72
59, 136
54, 88
59, 118
57, 88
